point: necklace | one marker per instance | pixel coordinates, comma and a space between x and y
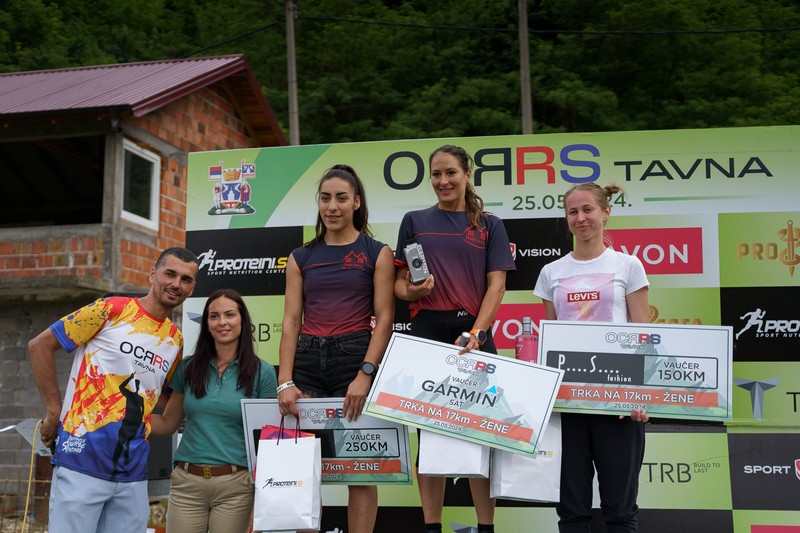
224, 365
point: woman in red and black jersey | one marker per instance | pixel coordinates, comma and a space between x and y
335, 284
468, 254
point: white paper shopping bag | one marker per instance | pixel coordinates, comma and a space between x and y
288, 484
440, 455
517, 477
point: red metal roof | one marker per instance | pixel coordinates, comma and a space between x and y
139, 88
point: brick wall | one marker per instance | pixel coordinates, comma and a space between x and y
20, 321
205, 120
56, 256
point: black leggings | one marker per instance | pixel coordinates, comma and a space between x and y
447, 326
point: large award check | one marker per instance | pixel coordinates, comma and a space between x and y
671, 370
366, 451
488, 399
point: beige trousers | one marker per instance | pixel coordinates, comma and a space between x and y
219, 504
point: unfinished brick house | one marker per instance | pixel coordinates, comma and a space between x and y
93, 165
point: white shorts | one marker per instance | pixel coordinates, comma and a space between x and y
83, 504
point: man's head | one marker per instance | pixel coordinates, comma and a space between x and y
184, 254
173, 277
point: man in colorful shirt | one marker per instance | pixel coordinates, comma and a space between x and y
125, 350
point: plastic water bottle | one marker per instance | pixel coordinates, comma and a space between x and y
527, 346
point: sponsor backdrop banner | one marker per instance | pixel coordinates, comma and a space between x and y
712, 214
766, 394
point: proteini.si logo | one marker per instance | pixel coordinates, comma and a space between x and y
754, 322
785, 251
240, 265
290, 483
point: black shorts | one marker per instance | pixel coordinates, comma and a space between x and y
447, 326
325, 366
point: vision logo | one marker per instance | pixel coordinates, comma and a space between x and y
231, 192
772, 251
536, 252
768, 328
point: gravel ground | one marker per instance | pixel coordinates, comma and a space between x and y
13, 524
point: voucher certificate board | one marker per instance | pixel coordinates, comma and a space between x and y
488, 399
676, 371
366, 451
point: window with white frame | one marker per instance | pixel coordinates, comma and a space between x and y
140, 186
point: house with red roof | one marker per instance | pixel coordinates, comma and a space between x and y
94, 171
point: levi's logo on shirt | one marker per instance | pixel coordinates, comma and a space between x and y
584, 296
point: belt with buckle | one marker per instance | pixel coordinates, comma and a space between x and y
208, 471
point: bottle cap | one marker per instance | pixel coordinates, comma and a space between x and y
465, 336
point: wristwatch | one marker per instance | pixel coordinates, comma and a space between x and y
480, 335
368, 368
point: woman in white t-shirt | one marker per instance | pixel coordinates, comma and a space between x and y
612, 445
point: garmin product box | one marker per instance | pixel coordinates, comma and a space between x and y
417, 265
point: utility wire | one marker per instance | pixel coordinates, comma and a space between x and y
494, 30
546, 31
233, 39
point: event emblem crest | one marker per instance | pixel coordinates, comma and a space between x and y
232, 192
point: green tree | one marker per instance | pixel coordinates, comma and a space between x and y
387, 69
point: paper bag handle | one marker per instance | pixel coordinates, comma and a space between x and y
296, 433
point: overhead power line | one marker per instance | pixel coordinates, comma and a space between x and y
495, 30
234, 38
545, 31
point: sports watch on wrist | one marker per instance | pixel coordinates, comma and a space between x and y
368, 368
480, 335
